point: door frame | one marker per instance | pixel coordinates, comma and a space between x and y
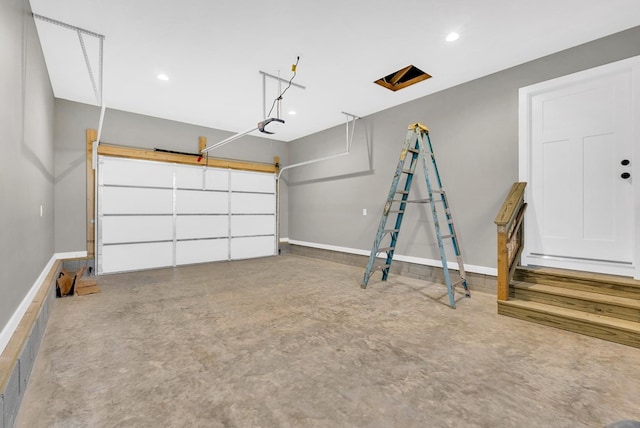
525, 168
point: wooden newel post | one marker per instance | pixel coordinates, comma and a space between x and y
503, 265
510, 237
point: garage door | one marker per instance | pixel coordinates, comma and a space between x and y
156, 214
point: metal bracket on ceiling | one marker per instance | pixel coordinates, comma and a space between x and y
351, 118
264, 88
95, 84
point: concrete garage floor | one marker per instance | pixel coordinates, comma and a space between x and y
291, 341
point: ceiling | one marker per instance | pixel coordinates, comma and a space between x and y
213, 52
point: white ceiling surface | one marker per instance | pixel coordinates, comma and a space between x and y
213, 52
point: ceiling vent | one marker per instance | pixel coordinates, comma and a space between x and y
402, 78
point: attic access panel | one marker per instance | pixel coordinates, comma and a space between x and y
400, 79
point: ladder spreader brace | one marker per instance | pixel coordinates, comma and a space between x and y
416, 146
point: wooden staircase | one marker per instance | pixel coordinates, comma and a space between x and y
602, 306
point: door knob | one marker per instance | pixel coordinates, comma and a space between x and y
625, 162
625, 175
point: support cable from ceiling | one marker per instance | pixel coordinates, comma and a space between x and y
264, 125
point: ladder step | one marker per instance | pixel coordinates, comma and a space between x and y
412, 150
407, 171
447, 236
396, 211
402, 192
391, 230
385, 249
458, 282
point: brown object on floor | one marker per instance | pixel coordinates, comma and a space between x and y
74, 283
65, 283
85, 286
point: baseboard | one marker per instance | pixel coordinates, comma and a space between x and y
20, 338
10, 327
423, 271
409, 259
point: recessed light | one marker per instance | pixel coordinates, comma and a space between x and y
292, 112
163, 77
452, 37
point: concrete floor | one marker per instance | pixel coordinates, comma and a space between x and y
291, 341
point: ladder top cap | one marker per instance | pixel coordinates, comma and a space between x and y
418, 125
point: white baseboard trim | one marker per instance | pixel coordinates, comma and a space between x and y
284, 240
12, 324
409, 259
71, 255
15, 319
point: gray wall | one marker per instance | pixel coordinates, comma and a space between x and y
26, 161
129, 129
474, 131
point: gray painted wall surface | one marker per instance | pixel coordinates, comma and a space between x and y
474, 131
134, 130
26, 162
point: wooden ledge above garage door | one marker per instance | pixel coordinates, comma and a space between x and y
147, 154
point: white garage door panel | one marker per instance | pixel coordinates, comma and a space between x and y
245, 225
131, 200
201, 202
202, 226
246, 181
246, 248
189, 177
201, 251
117, 229
251, 203
122, 258
217, 179
134, 172
154, 214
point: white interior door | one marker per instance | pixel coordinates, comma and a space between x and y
580, 147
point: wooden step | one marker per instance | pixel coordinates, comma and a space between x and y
586, 281
603, 327
587, 301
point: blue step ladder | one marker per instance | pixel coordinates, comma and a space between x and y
417, 146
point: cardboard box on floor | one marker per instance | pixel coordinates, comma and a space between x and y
69, 284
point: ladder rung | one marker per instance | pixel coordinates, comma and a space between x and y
385, 249
383, 267
458, 282
391, 230
402, 192
407, 171
447, 236
418, 201
396, 211
441, 191
412, 150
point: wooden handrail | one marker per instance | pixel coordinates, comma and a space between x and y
510, 223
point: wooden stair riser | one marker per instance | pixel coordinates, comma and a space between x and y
605, 332
584, 305
595, 285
